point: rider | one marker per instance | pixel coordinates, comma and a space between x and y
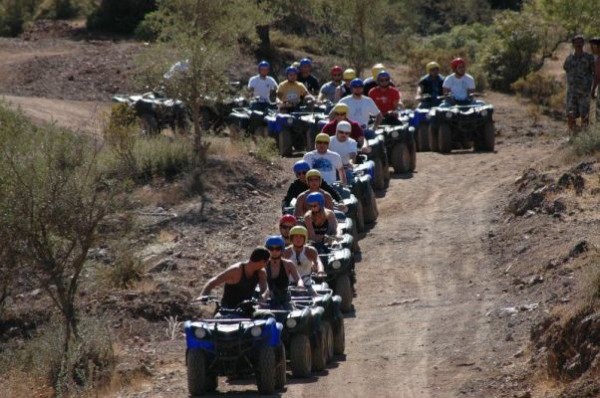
345, 89
386, 97
290, 93
319, 221
262, 85
458, 86
371, 82
300, 185
430, 87
330, 89
311, 82
279, 272
326, 161
361, 107
241, 279
314, 179
345, 146
286, 223
304, 256
340, 113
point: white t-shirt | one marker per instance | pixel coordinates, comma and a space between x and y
459, 86
327, 164
360, 109
262, 87
344, 149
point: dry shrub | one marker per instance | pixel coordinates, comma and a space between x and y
587, 142
89, 362
126, 270
537, 87
266, 149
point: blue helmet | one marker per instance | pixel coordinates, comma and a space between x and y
305, 61
264, 64
291, 69
383, 74
316, 197
357, 83
275, 241
300, 166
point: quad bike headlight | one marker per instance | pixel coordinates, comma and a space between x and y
256, 331
291, 323
448, 115
290, 121
484, 112
337, 264
200, 333
395, 134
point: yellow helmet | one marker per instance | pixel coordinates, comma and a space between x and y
432, 65
313, 173
299, 230
322, 137
376, 69
349, 74
341, 108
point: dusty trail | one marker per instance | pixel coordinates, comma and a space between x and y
424, 285
80, 116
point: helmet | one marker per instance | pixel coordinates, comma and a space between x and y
305, 61
322, 137
340, 107
376, 69
288, 219
456, 62
291, 69
264, 64
349, 74
315, 197
432, 65
344, 126
275, 241
336, 70
313, 173
356, 83
299, 230
301, 165
595, 40
577, 37
383, 74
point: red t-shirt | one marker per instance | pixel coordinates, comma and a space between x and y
385, 98
356, 132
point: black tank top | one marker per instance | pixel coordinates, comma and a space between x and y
233, 295
278, 286
322, 229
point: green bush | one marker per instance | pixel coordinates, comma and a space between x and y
541, 89
120, 16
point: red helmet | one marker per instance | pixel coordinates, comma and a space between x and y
456, 62
337, 70
288, 219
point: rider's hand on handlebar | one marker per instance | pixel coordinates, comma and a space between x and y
202, 299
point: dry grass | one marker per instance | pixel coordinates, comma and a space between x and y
587, 142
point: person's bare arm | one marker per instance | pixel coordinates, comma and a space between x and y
378, 119
293, 271
230, 275
262, 283
342, 174
313, 255
309, 226
332, 230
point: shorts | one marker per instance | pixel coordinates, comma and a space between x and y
578, 105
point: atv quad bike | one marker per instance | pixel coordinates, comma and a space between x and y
339, 267
157, 112
462, 127
401, 145
234, 345
250, 120
291, 130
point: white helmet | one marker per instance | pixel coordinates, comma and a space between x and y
344, 126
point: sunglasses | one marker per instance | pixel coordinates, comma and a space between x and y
315, 179
274, 248
384, 80
323, 142
340, 113
283, 226
336, 75
344, 132
301, 173
314, 206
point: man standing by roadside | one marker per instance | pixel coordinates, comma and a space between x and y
595, 45
580, 78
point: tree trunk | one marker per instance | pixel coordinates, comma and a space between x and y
264, 49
